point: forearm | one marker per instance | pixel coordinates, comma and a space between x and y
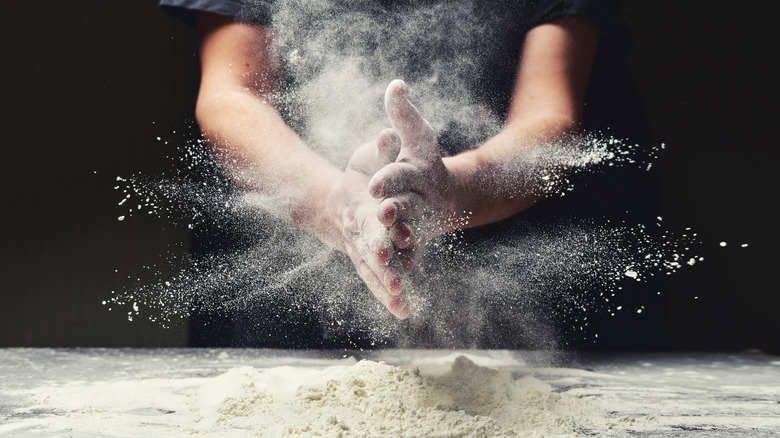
240, 67
262, 154
507, 174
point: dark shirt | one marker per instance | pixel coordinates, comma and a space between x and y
606, 14
612, 106
498, 29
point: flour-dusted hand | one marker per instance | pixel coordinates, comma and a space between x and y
367, 240
399, 192
415, 188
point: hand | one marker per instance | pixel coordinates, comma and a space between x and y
415, 188
367, 240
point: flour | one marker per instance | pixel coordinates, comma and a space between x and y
270, 393
517, 290
350, 399
376, 399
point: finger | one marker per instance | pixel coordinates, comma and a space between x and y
371, 157
389, 270
378, 252
369, 277
387, 212
382, 252
401, 235
397, 303
407, 207
399, 306
408, 262
391, 275
395, 178
388, 145
373, 282
409, 256
418, 139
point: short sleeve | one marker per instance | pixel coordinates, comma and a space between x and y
255, 11
606, 15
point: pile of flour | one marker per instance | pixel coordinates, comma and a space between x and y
376, 399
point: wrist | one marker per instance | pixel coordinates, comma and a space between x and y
460, 204
331, 215
319, 210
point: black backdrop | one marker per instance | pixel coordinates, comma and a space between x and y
87, 87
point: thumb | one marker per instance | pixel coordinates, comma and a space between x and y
418, 139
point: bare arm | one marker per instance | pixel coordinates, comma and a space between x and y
425, 195
240, 66
546, 104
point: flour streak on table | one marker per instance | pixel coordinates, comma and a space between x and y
128, 392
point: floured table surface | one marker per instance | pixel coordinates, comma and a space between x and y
184, 392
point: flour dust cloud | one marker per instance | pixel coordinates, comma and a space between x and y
465, 292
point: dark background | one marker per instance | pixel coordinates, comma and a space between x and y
87, 88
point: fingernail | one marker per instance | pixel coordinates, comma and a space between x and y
374, 188
400, 87
400, 307
378, 190
391, 212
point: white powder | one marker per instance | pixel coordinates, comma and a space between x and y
181, 394
376, 399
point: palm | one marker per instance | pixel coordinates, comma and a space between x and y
367, 240
414, 188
